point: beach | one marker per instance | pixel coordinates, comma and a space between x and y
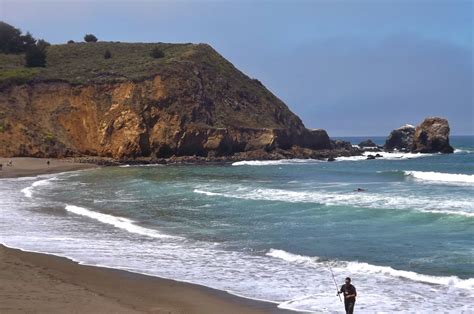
27, 166
41, 283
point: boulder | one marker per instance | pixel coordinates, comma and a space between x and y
367, 143
432, 136
401, 138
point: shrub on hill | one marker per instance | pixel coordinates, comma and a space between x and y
88, 38
157, 53
35, 57
70, 41
107, 54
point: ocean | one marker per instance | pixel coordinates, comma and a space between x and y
269, 230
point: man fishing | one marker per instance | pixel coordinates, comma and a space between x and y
349, 292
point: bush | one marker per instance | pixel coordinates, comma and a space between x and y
157, 53
90, 38
35, 57
71, 41
107, 54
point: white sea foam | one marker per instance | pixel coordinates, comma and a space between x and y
118, 222
385, 156
365, 268
28, 191
462, 151
274, 162
289, 257
441, 177
439, 205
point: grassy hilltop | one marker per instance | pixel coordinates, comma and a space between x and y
83, 63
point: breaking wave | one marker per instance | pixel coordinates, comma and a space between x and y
365, 268
358, 199
28, 191
274, 162
441, 177
118, 222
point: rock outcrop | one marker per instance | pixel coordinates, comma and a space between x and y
400, 139
200, 106
367, 143
432, 136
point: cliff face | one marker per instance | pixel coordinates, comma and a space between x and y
200, 106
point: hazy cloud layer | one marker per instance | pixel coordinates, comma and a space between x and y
351, 67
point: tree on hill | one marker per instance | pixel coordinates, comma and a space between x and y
157, 53
90, 38
12, 41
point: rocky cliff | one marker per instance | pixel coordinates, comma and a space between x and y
193, 102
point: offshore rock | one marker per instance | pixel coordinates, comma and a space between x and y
432, 136
400, 139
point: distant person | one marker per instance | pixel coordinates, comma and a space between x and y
350, 294
1, 166
360, 190
48, 163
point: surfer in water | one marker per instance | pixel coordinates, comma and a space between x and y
349, 292
360, 190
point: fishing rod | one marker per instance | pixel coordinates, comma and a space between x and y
334, 279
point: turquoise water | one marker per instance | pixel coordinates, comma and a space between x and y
268, 230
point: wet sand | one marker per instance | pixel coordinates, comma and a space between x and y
41, 283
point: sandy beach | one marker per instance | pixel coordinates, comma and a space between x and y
41, 283
26, 166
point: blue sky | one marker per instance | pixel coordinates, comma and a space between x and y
350, 67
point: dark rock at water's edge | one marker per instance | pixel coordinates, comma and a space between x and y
400, 139
432, 136
367, 143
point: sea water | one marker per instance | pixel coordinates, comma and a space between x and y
269, 230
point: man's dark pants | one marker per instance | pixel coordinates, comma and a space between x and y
349, 305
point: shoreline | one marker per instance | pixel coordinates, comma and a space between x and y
41, 282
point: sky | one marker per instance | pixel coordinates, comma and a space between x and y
351, 67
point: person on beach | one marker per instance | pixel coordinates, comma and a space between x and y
1, 166
350, 294
48, 163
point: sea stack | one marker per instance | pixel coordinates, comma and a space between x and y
432, 136
401, 138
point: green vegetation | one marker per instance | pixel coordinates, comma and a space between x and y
107, 54
157, 53
35, 57
83, 63
89, 38
50, 138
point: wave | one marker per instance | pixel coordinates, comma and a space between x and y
358, 199
440, 176
28, 191
118, 222
385, 156
462, 151
365, 268
274, 162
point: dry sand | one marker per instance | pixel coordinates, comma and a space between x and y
40, 283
